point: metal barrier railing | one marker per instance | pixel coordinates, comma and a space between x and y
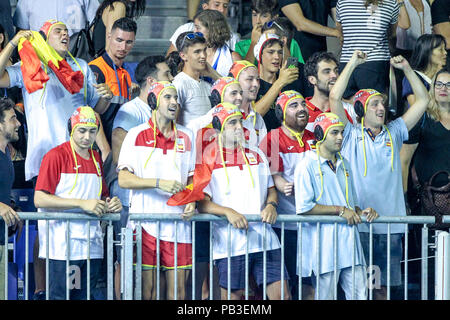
64, 216
131, 278
422, 220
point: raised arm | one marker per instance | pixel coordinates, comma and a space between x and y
338, 89
295, 14
287, 76
6, 53
415, 112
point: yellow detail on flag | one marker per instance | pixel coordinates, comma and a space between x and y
43, 50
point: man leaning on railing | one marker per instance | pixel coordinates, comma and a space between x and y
70, 178
323, 186
9, 126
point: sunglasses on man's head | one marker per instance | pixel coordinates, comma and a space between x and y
273, 22
191, 36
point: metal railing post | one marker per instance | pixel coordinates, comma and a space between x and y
424, 262
128, 267
138, 268
282, 261
27, 250
109, 263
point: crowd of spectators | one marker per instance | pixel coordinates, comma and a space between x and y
266, 123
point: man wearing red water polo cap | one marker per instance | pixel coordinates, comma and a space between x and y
285, 147
48, 108
156, 160
247, 75
372, 147
239, 183
51, 104
323, 186
225, 89
70, 179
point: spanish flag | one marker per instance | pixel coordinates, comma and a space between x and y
206, 159
35, 51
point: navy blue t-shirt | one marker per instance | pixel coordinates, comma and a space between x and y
6, 183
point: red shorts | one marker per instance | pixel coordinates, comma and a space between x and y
166, 251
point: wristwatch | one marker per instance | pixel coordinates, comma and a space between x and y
273, 203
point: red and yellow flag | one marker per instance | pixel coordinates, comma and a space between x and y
35, 51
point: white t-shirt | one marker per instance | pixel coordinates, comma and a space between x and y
165, 163
308, 186
58, 176
187, 27
31, 14
244, 197
256, 127
47, 111
193, 97
132, 114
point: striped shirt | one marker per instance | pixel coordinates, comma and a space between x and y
366, 29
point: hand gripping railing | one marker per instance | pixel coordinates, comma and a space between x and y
299, 219
127, 247
63, 216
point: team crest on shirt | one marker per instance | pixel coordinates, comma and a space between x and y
388, 144
180, 145
251, 158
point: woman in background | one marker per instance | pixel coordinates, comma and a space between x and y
214, 27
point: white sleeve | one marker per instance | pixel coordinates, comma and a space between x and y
303, 189
127, 159
183, 28
21, 14
15, 75
90, 9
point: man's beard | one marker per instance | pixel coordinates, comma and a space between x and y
12, 137
325, 90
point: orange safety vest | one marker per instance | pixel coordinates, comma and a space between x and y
119, 81
117, 78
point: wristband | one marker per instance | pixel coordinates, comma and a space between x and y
11, 43
157, 183
341, 213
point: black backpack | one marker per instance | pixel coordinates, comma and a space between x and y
84, 44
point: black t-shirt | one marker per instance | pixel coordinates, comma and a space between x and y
301, 85
6, 182
317, 11
440, 12
433, 152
